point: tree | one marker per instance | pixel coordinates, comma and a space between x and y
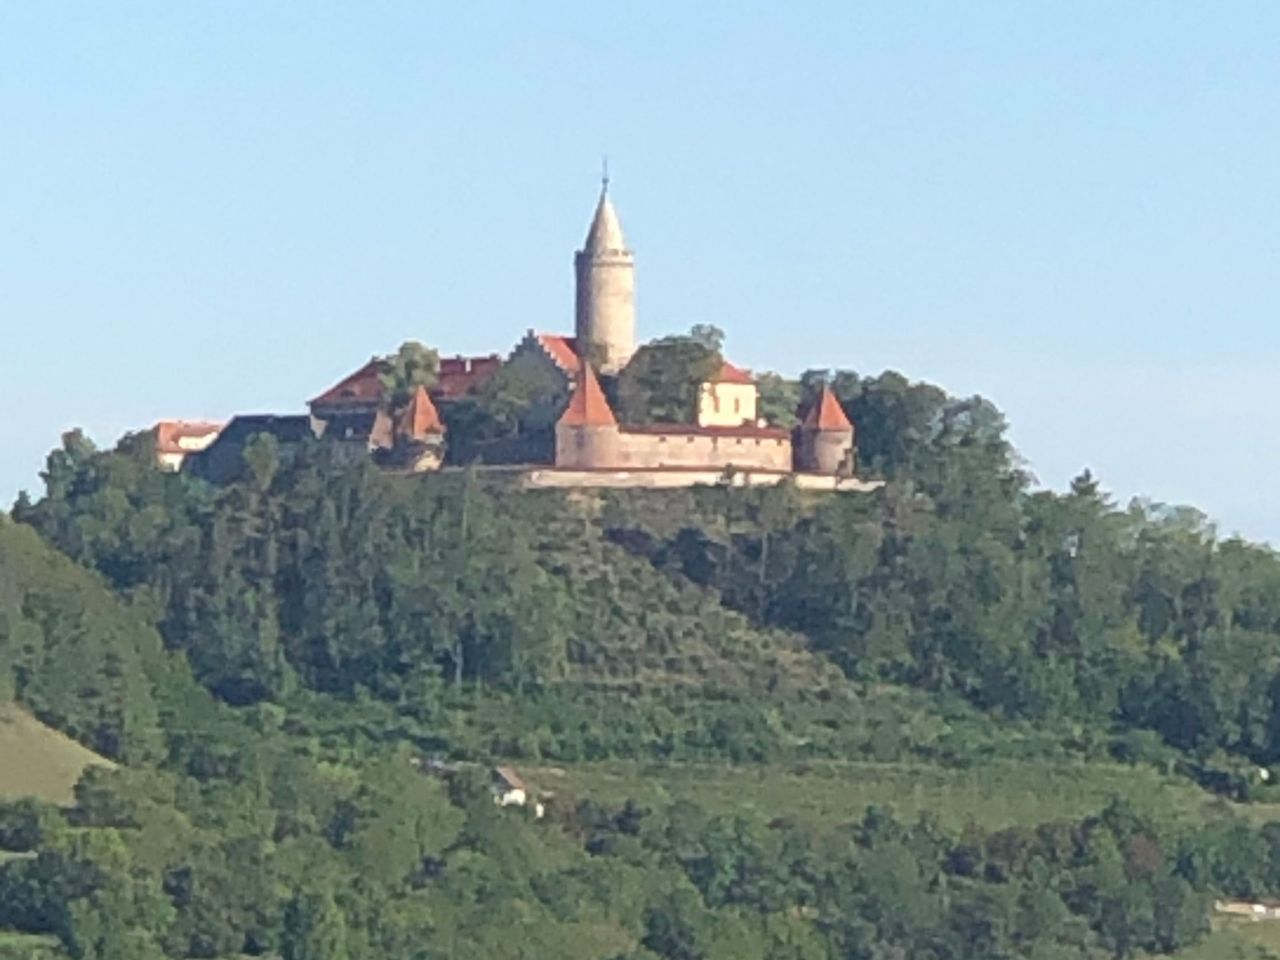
778, 400
411, 366
25, 822
314, 928
709, 335
509, 418
660, 383
64, 465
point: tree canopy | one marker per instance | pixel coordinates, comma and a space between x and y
660, 383
411, 366
306, 672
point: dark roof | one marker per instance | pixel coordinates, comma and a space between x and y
220, 461
359, 426
287, 428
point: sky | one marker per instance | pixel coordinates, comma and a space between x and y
1070, 208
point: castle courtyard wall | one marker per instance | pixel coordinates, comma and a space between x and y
655, 450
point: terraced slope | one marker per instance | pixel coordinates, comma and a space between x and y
641, 627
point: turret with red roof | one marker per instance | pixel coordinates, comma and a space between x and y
587, 433
419, 420
825, 437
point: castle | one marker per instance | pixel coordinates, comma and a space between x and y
724, 436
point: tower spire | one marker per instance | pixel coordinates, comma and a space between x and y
604, 314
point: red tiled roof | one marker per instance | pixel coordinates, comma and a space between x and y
588, 406
457, 376
461, 375
363, 386
688, 429
562, 350
169, 433
729, 373
420, 418
826, 413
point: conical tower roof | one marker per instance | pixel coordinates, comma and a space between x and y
605, 234
420, 418
826, 413
588, 407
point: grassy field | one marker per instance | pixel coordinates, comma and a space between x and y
826, 794
36, 760
1237, 940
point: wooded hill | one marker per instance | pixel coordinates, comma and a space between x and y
267, 658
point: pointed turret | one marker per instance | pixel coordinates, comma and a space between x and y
588, 407
420, 419
605, 233
587, 434
416, 441
826, 413
605, 315
826, 437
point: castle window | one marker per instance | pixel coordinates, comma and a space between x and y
737, 405
690, 439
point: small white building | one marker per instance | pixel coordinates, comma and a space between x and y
176, 439
509, 790
729, 399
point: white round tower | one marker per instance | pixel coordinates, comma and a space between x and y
605, 318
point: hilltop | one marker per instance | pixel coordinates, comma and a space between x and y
952, 718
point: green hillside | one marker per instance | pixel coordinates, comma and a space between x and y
72, 654
955, 719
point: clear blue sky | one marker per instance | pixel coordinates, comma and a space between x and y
1071, 208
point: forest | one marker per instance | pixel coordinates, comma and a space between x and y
270, 662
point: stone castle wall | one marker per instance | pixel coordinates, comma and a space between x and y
680, 479
656, 448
